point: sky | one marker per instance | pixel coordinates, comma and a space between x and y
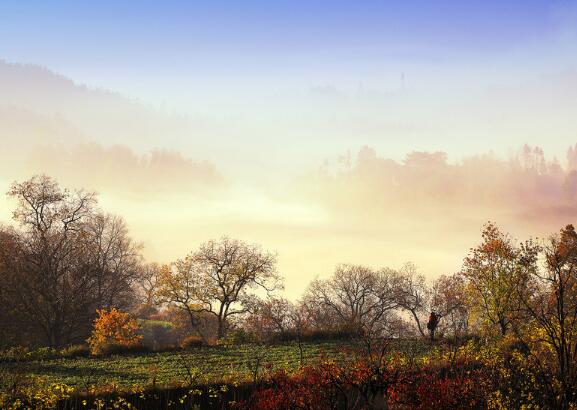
262, 120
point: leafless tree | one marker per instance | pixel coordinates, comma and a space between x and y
361, 298
449, 301
270, 316
146, 288
65, 260
114, 259
231, 269
413, 295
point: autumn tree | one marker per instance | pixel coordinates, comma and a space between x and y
497, 272
48, 279
219, 278
551, 334
318, 317
231, 269
180, 285
113, 328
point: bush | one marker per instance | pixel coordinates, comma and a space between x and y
158, 334
43, 353
192, 342
75, 351
21, 353
316, 335
240, 337
119, 349
13, 354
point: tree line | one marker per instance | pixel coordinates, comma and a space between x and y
64, 259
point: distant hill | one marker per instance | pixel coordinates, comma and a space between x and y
50, 124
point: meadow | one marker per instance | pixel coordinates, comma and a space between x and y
206, 364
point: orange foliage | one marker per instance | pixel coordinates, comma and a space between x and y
113, 327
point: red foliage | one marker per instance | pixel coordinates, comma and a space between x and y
433, 391
361, 385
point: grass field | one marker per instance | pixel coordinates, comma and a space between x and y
209, 364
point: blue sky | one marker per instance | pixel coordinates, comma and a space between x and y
166, 37
315, 70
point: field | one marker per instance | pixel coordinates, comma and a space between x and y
206, 365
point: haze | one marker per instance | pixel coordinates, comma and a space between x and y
366, 132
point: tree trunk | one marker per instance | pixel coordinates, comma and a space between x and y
221, 326
503, 327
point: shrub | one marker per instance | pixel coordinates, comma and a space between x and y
316, 335
114, 328
43, 353
238, 337
21, 353
76, 351
15, 353
158, 334
108, 349
192, 342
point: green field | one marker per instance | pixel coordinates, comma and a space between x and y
210, 364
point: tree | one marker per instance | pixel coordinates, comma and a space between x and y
147, 288
497, 272
231, 269
65, 260
12, 330
114, 260
270, 316
551, 336
361, 298
444, 303
299, 316
413, 295
48, 283
113, 328
218, 278
449, 301
180, 284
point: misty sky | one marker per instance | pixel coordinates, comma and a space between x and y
197, 119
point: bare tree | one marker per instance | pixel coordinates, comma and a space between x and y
114, 259
66, 260
449, 301
48, 283
362, 298
146, 288
270, 316
231, 269
413, 295
299, 316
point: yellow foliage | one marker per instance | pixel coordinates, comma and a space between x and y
113, 327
